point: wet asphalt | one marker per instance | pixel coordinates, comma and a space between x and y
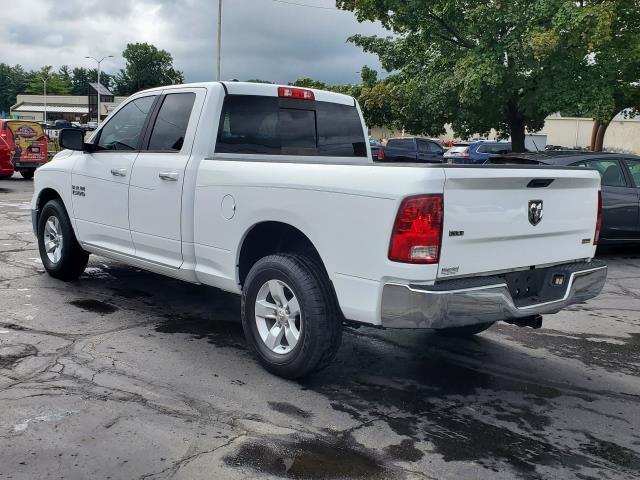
125, 374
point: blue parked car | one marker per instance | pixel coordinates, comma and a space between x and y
476, 152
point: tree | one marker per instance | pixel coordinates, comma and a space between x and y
146, 67
13, 80
56, 84
475, 65
611, 29
309, 83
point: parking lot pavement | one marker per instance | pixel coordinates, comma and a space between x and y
126, 374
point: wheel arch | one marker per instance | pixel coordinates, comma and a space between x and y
47, 194
269, 237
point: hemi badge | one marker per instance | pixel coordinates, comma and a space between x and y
456, 233
586, 241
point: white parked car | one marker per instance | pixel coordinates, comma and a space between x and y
269, 192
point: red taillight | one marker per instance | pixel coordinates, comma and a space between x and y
465, 153
596, 236
299, 93
417, 232
380, 154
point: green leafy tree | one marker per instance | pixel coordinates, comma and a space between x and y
476, 65
309, 83
13, 80
146, 67
56, 85
611, 31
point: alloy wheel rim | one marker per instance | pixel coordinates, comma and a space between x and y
53, 239
278, 316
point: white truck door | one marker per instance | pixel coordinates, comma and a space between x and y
100, 180
155, 193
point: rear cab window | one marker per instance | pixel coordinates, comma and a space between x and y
253, 124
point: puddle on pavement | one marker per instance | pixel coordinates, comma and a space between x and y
613, 453
12, 354
440, 392
94, 306
619, 355
308, 459
130, 293
217, 332
288, 409
405, 451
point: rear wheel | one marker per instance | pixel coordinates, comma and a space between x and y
61, 254
27, 174
466, 331
290, 316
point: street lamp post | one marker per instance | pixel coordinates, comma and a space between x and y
44, 80
99, 84
219, 53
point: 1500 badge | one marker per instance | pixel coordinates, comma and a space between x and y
78, 190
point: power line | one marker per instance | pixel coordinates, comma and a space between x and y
307, 5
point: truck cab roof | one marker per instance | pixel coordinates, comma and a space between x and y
261, 89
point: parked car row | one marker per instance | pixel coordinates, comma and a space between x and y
419, 149
620, 173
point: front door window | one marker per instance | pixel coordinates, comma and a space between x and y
123, 130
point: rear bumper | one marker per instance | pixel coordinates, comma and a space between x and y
459, 303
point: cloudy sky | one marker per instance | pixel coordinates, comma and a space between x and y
266, 39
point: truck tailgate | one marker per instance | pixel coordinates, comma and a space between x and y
498, 219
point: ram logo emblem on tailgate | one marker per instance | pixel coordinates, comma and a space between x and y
535, 212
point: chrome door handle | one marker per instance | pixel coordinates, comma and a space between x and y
169, 176
119, 172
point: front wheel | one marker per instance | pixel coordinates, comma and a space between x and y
61, 255
290, 316
466, 331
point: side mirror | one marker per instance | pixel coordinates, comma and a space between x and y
72, 139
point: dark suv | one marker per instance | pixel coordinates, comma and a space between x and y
410, 149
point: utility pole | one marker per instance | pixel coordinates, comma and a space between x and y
99, 84
218, 74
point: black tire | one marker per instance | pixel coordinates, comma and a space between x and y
27, 174
321, 327
466, 331
73, 259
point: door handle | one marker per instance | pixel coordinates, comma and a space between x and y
169, 176
119, 172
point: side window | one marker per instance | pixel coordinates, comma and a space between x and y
634, 168
401, 143
423, 147
171, 123
123, 130
610, 171
434, 147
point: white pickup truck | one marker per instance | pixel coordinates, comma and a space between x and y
270, 192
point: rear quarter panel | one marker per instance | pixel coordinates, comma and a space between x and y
346, 211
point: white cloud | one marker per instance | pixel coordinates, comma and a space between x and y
261, 38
